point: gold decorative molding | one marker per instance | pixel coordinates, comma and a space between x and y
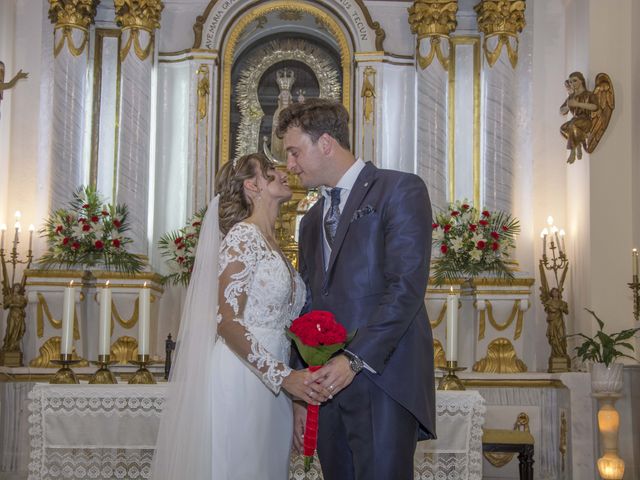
124, 349
434, 20
50, 350
127, 324
563, 437
72, 13
69, 15
499, 383
503, 19
375, 26
443, 311
43, 310
138, 14
501, 358
134, 16
515, 311
439, 356
230, 51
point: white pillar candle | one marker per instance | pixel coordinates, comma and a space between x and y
452, 327
634, 263
31, 230
68, 308
144, 301
3, 228
104, 339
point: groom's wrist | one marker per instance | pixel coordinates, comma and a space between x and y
355, 363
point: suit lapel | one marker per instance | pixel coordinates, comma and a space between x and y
360, 189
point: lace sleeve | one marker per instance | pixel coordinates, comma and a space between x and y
239, 255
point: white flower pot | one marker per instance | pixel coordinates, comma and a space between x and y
606, 379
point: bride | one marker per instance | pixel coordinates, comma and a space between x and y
228, 411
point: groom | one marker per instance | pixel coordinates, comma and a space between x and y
364, 255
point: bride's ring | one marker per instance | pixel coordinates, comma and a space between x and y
331, 387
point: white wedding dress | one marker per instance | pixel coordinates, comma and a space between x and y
252, 416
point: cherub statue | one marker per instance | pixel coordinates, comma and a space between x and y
591, 113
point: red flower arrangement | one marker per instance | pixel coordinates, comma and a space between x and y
89, 233
318, 336
472, 242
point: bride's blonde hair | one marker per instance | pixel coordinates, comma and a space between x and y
235, 204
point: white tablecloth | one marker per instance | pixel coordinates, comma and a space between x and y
109, 431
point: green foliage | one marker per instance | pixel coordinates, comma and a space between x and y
89, 233
602, 347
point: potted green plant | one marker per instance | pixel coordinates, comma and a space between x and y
601, 351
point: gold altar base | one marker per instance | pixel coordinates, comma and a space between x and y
103, 375
559, 364
11, 359
65, 375
142, 375
450, 381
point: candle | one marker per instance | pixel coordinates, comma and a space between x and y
3, 228
144, 300
31, 230
634, 264
104, 334
562, 234
68, 308
15, 237
544, 234
452, 327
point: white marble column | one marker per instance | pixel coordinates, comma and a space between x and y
432, 131
499, 123
134, 135
71, 58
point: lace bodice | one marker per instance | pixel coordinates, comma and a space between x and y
259, 296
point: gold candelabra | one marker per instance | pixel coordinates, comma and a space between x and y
65, 375
551, 297
450, 381
103, 375
635, 285
142, 375
14, 296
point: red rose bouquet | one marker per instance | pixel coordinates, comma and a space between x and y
318, 336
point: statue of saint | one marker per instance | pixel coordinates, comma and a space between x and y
555, 308
16, 301
285, 79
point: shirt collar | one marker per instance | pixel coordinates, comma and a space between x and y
349, 178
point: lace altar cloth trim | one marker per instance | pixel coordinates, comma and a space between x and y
456, 455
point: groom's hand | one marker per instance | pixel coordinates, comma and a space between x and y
335, 375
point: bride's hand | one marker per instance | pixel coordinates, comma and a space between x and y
299, 385
299, 422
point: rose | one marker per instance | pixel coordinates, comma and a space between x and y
317, 336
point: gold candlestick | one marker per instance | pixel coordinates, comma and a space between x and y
635, 288
103, 375
142, 375
450, 381
65, 375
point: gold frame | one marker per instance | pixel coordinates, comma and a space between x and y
477, 66
229, 50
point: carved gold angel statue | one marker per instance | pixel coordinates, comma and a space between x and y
591, 113
555, 308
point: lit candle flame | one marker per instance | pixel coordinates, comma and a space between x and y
549, 220
32, 227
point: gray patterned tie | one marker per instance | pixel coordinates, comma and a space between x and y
332, 217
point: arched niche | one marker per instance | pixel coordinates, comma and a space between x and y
230, 27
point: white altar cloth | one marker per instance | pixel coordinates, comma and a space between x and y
109, 431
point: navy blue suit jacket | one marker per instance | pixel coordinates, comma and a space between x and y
376, 282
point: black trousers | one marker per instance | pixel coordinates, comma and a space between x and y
366, 435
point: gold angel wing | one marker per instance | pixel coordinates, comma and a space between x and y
600, 118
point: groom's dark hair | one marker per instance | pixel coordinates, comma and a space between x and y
315, 117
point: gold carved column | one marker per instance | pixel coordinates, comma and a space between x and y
501, 21
433, 21
72, 20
